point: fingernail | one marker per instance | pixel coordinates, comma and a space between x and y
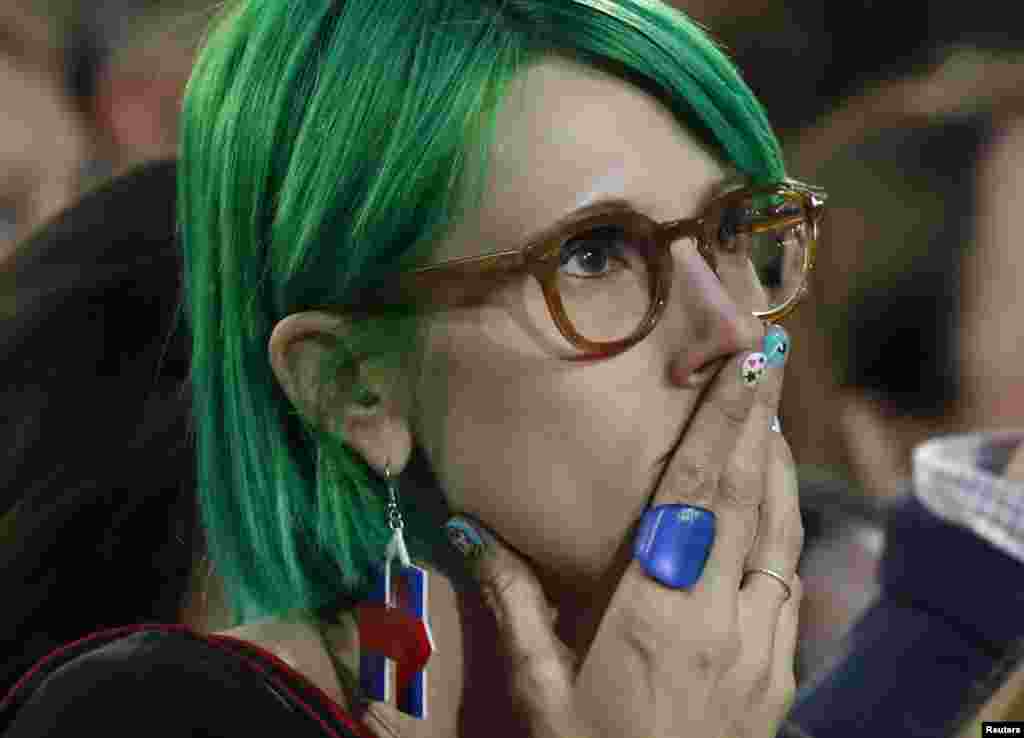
776, 346
753, 368
673, 542
466, 537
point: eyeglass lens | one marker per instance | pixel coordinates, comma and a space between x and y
606, 274
604, 280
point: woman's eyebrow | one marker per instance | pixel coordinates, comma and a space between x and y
592, 207
599, 204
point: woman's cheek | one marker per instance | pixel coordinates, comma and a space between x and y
558, 461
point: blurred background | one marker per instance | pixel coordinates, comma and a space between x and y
910, 114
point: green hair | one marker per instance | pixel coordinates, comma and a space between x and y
325, 144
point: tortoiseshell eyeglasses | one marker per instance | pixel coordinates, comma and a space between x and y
606, 274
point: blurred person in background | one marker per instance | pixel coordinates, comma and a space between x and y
107, 287
43, 142
139, 128
988, 342
133, 60
917, 293
992, 333
95, 89
97, 486
919, 298
806, 58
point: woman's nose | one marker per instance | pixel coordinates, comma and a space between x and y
718, 326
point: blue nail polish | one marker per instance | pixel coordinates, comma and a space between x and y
465, 537
673, 543
776, 346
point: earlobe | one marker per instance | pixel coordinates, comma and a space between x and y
381, 438
366, 418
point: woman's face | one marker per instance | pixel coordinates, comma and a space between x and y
560, 457
41, 150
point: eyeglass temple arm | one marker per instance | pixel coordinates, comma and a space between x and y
444, 285
683, 228
815, 209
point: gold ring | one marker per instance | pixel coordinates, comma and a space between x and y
774, 575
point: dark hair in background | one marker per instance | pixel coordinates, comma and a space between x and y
834, 49
84, 58
98, 525
902, 324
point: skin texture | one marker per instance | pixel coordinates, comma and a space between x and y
494, 391
560, 458
41, 149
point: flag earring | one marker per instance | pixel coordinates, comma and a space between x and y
394, 634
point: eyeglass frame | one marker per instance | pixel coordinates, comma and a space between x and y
462, 281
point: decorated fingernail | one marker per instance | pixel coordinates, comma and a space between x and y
753, 368
465, 537
776, 346
672, 543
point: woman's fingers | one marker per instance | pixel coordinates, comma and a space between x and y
664, 635
770, 594
694, 477
780, 532
785, 645
741, 490
770, 674
541, 666
689, 650
782, 680
695, 469
766, 604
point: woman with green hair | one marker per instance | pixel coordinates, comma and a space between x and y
489, 286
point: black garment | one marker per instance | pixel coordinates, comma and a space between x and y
168, 680
97, 465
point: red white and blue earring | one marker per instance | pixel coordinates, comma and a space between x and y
394, 635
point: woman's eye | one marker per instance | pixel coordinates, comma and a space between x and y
595, 254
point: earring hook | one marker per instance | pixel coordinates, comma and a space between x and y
395, 521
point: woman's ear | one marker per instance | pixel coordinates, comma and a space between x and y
370, 419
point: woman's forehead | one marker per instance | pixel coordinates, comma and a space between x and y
567, 135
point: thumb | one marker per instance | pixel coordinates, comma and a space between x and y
541, 666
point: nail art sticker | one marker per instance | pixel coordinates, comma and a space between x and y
753, 368
776, 346
464, 537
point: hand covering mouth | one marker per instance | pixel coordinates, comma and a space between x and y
713, 368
